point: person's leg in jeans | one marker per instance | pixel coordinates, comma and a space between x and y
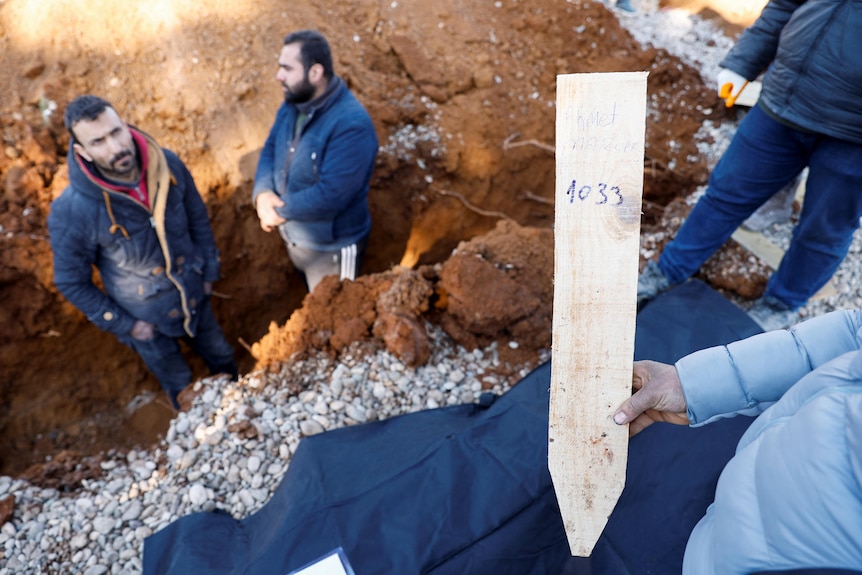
762, 157
209, 342
830, 215
163, 358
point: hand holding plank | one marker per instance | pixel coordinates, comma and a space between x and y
658, 397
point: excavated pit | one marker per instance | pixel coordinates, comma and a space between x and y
462, 97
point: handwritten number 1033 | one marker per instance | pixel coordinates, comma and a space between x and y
601, 193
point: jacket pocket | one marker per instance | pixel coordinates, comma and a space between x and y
145, 286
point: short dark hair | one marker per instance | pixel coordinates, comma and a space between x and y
85, 107
313, 49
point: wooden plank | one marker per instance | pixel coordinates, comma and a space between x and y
601, 122
757, 244
771, 254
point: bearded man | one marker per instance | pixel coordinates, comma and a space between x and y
132, 211
314, 171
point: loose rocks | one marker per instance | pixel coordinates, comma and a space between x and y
202, 466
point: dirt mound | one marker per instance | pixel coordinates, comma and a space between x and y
496, 287
462, 97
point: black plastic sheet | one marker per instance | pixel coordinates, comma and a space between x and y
466, 489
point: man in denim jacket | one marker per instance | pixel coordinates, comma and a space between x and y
132, 211
791, 497
314, 171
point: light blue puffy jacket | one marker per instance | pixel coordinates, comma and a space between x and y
791, 497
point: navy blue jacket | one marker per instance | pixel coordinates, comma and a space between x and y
324, 181
815, 51
153, 262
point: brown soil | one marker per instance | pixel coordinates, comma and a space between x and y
452, 87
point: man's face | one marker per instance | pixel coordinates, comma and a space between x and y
293, 77
107, 142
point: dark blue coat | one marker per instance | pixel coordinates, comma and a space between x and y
815, 51
150, 272
324, 181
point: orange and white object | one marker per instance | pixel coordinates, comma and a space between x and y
736, 90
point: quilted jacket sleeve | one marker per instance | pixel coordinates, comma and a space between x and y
749, 375
758, 44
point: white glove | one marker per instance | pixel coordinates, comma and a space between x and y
737, 83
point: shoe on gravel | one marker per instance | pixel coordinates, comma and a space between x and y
651, 282
772, 314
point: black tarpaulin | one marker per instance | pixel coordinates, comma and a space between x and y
466, 489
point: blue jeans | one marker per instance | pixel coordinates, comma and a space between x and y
163, 357
763, 156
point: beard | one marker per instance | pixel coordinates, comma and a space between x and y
121, 167
299, 94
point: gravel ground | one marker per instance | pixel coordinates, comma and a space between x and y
228, 452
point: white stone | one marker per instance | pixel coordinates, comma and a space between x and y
213, 437
335, 387
356, 413
143, 532
246, 498
197, 494
127, 554
78, 541
253, 464
133, 511
310, 427
174, 452
84, 505
181, 425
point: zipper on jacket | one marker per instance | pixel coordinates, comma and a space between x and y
314, 164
